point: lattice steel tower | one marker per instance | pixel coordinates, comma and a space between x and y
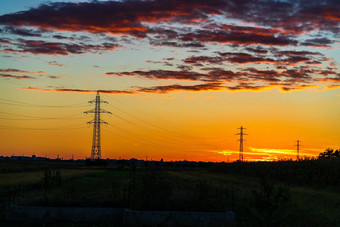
96, 148
298, 149
240, 156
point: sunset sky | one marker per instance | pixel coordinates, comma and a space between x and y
180, 77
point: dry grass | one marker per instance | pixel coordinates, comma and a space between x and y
32, 177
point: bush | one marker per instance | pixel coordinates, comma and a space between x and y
270, 203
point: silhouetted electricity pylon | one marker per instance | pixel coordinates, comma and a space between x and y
298, 149
240, 157
96, 148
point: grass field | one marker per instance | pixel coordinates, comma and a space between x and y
33, 177
307, 206
255, 201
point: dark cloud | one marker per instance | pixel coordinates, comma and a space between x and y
79, 90
295, 87
58, 48
168, 59
9, 70
154, 62
280, 57
296, 53
53, 77
224, 34
22, 31
199, 88
244, 58
157, 89
244, 38
213, 76
184, 67
216, 75
5, 41
176, 87
218, 79
60, 37
257, 50
165, 63
293, 60
290, 57
162, 74
255, 75
267, 25
318, 42
54, 63
244, 86
16, 76
189, 44
133, 17
291, 16
198, 60
246, 77
111, 17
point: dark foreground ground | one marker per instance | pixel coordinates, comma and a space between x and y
304, 193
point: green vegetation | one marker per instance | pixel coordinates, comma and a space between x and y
311, 172
34, 177
285, 193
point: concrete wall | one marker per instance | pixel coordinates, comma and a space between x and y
176, 218
115, 215
61, 214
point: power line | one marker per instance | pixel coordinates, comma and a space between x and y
142, 139
43, 118
138, 138
154, 126
157, 128
169, 140
145, 113
152, 131
40, 106
22, 115
18, 103
56, 128
30, 117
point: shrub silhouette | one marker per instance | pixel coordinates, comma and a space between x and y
270, 202
153, 191
329, 153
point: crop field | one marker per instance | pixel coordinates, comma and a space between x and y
256, 200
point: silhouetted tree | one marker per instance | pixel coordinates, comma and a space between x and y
330, 153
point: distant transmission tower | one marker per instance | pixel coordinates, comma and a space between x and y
96, 148
240, 157
298, 149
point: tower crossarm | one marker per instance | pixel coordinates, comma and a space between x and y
97, 111
97, 122
94, 101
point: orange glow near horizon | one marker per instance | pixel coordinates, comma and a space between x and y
188, 132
